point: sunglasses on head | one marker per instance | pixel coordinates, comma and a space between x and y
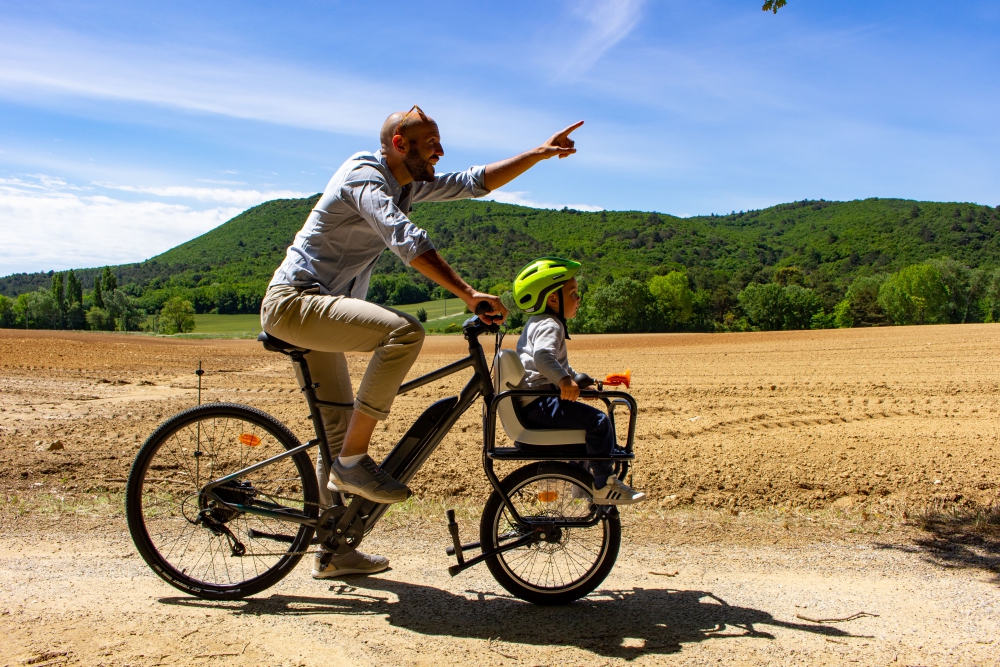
419, 111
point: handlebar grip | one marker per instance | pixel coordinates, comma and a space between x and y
482, 308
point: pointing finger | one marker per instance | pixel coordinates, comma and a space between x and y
570, 129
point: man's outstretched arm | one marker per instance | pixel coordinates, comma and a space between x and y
434, 266
503, 172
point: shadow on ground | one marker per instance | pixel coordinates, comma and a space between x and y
621, 624
959, 538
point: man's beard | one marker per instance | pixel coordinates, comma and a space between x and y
419, 168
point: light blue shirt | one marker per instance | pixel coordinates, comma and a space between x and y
362, 212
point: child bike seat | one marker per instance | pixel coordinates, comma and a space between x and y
509, 372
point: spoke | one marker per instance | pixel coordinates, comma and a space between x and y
548, 565
194, 550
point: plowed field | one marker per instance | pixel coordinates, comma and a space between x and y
740, 421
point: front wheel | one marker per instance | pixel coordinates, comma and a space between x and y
192, 541
576, 560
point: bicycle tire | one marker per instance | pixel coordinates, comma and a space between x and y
569, 482
179, 500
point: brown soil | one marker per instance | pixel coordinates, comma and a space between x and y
742, 421
810, 473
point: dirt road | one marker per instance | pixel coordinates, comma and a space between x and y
84, 597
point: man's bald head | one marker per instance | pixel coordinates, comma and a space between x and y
407, 122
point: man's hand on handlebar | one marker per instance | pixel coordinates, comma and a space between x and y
569, 390
489, 308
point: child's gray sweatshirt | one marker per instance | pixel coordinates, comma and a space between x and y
542, 349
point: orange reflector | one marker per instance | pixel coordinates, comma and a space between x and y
548, 496
620, 378
249, 439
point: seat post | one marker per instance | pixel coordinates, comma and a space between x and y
308, 389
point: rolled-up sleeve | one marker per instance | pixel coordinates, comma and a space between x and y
455, 185
375, 205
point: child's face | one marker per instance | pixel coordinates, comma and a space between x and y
571, 300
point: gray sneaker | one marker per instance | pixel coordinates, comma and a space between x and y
367, 480
353, 562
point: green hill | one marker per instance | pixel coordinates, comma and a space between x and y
227, 269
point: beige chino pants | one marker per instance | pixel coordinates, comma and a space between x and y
330, 326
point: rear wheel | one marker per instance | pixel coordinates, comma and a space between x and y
576, 560
198, 545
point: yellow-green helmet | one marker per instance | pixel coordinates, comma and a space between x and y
539, 279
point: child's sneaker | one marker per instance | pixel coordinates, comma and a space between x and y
616, 492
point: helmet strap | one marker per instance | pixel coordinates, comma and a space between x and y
561, 316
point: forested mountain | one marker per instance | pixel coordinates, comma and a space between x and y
227, 269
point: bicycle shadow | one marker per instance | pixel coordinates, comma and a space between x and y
611, 623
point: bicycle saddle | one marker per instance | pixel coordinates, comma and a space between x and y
277, 345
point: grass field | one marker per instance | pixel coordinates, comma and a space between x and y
227, 324
435, 309
249, 325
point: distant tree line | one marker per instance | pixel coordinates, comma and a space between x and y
938, 291
801, 264
106, 307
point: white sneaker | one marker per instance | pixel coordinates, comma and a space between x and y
616, 492
353, 562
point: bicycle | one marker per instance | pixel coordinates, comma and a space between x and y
213, 489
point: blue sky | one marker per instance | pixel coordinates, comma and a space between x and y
126, 128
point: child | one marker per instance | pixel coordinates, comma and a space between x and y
547, 287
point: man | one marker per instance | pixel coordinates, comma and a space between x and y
316, 298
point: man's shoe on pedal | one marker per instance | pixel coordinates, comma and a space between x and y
364, 478
328, 566
616, 492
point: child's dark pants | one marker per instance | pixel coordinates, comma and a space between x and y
553, 412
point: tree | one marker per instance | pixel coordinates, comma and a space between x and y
989, 304
965, 288
59, 297
178, 315
421, 315
75, 315
98, 293
108, 280
621, 307
862, 309
764, 305
7, 316
916, 294
773, 5
771, 306
125, 311
37, 310
74, 288
802, 306
98, 319
789, 275
515, 316
674, 298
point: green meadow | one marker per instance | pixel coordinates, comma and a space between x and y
440, 314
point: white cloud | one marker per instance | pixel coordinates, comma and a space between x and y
610, 22
244, 198
47, 224
40, 67
523, 198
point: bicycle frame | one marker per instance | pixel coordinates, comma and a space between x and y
420, 441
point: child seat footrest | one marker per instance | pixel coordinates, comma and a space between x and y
554, 453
